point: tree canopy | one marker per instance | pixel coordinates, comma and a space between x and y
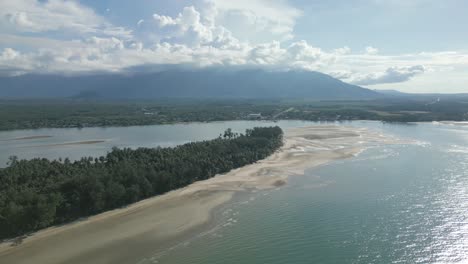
38, 193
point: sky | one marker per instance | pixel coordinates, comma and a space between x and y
416, 46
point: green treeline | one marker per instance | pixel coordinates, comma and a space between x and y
32, 114
38, 193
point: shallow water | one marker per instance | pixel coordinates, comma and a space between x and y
391, 204
55, 143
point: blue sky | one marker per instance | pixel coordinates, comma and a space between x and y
412, 45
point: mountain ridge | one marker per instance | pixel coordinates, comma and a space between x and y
202, 83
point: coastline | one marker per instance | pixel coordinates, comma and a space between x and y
130, 234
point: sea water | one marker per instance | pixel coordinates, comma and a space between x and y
405, 203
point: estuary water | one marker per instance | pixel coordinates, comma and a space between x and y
73, 143
404, 203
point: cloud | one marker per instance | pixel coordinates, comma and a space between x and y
9, 54
264, 20
107, 44
371, 50
198, 36
21, 20
192, 29
163, 21
266, 54
302, 51
13, 63
343, 75
342, 51
34, 16
391, 75
114, 54
186, 28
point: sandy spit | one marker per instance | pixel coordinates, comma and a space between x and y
86, 142
141, 230
27, 138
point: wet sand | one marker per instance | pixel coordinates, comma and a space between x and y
139, 231
27, 138
87, 142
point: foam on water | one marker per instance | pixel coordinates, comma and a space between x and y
458, 149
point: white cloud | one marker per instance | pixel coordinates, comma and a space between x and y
162, 21
35, 16
302, 51
192, 29
266, 54
199, 35
371, 50
9, 54
342, 51
107, 44
13, 63
21, 20
403, 69
257, 20
186, 27
391, 75
342, 75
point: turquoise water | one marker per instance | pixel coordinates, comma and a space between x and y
391, 204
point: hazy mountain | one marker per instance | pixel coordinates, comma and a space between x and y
206, 83
422, 96
392, 93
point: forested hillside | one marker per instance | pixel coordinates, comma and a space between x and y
38, 193
196, 83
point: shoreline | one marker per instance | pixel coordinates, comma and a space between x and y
145, 228
324, 122
84, 142
26, 138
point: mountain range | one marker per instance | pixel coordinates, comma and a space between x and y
201, 83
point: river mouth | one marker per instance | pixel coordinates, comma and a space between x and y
147, 226
390, 204
384, 203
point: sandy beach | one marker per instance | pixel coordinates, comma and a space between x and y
139, 231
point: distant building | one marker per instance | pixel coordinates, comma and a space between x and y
255, 116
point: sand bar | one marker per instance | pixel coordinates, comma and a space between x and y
85, 142
75, 143
136, 233
27, 138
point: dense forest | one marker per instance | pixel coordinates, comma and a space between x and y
31, 114
38, 193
